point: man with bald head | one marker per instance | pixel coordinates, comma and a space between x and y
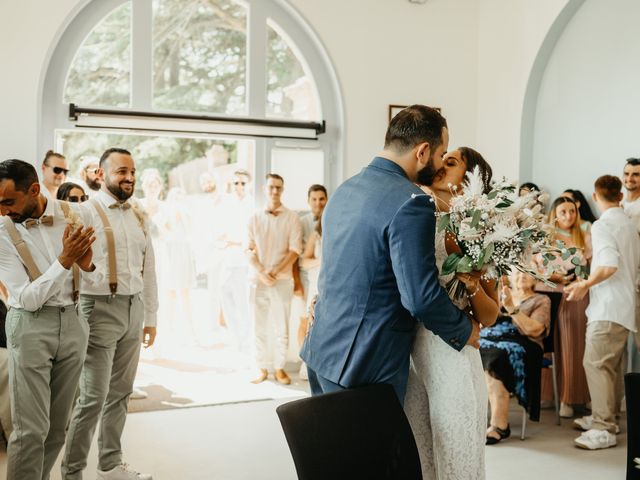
119, 301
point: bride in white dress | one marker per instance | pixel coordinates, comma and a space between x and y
446, 400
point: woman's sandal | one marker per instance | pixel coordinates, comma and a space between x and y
506, 433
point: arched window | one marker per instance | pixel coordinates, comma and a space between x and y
235, 59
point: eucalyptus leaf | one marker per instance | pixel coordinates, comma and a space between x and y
465, 265
566, 254
450, 265
443, 222
475, 220
575, 261
486, 255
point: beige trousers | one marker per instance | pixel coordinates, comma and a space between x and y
270, 308
604, 364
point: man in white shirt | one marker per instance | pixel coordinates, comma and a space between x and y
45, 338
55, 169
317, 199
631, 205
236, 209
90, 175
118, 297
611, 312
274, 243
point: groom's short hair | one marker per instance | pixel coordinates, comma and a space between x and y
609, 188
415, 125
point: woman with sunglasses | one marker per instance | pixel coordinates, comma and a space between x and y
71, 192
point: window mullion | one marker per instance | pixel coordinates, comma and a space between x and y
142, 55
257, 59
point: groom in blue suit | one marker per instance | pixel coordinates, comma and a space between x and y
379, 273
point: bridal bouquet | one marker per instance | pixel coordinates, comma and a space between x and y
498, 231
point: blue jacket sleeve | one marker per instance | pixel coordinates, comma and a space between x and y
412, 247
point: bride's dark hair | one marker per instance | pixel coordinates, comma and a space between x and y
472, 159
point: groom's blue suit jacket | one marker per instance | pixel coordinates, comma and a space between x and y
378, 276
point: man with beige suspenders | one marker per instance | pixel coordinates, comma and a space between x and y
119, 299
40, 241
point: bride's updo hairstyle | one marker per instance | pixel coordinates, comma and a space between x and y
472, 159
412, 126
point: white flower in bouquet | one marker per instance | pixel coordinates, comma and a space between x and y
498, 231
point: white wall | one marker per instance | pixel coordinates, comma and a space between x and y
395, 52
587, 120
29, 30
470, 57
510, 37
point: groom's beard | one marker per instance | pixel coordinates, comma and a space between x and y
427, 174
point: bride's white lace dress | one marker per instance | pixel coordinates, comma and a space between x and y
446, 402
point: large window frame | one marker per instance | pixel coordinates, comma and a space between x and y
55, 114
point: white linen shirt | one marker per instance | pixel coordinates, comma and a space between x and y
55, 287
615, 244
309, 222
632, 209
273, 237
132, 249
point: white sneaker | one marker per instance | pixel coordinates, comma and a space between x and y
586, 423
123, 472
596, 439
138, 394
566, 411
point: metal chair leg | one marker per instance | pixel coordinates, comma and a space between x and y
556, 399
524, 423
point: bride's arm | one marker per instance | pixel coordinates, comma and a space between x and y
484, 303
483, 298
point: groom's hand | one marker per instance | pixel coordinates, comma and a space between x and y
474, 338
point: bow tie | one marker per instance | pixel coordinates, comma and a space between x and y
275, 213
121, 206
43, 220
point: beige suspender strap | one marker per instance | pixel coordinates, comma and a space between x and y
111, 247
23, 250
140, 216
66, 210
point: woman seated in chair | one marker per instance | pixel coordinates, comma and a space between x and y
511, 352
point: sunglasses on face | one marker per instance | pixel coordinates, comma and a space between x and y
75, 199
240, 183
59, 170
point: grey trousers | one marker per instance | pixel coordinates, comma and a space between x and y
6, 426
46, 352
106, 381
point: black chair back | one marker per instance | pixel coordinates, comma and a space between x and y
632, 395
548, 342
355, 433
